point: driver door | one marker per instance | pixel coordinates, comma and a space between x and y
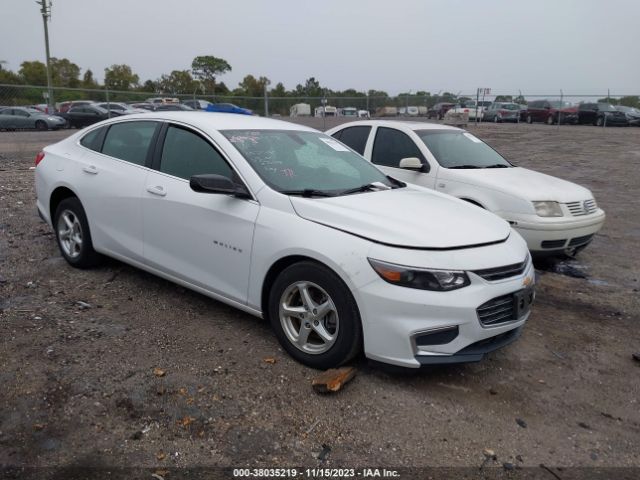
391, 145
204, 239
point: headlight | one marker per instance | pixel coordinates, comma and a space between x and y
548, 209
420, 278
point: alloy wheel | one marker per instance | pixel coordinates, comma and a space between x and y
70, 234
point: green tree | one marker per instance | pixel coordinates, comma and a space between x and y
120, 77
251, 86
149, 86
7, 76
88, 81
207, 68
520, 100
64, 73
630, 101
33, 73
178, 81
504, 98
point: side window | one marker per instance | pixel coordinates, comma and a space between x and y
391, 146
338, 134
129, 141
186, 153
355, 137
93, 139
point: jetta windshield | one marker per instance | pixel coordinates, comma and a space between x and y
456, 149
305, 162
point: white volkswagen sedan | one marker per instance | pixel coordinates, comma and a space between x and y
554, 216
288, 224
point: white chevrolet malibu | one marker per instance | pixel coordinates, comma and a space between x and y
288, 224
554, 216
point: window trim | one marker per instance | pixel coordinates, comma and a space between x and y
159, 145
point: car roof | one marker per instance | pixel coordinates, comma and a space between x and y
217, 121
403, 124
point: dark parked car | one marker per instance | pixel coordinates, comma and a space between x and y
632, 114
197, 104
551, 111
64, 107
79, 117
228, 108
15, 118
144, 105
502, 112
439, 109
118, 108
601, 114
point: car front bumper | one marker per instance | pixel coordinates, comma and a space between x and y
396, 320
553, 235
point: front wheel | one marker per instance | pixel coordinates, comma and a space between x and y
550, 120
599, 122
314, 316
496, 119
73, 235
41, 125
529, 119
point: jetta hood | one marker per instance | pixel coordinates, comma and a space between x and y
409, 217
520, 182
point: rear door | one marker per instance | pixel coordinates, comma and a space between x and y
391, 145
202, 238
114, 169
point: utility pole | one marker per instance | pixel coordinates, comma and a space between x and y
45, 9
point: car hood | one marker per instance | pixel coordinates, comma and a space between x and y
409, 217
520, 182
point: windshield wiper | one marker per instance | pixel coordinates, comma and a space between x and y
307, 192
463, 166
497, 165
366, 188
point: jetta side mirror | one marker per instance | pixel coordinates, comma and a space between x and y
211, 183
411, 163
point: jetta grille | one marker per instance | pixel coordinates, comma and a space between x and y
500, 273
585, 207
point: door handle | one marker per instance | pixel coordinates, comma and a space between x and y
90, 169
156, 190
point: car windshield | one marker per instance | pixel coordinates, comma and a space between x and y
559, 104
508, 106
606, 107
458, 149
299, 161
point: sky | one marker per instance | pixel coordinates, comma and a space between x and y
532, 46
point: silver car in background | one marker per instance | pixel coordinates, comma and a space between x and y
17, 118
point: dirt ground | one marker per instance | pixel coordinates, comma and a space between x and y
78, 382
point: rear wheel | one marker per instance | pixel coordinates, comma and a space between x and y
41, 125
314, 316
529, 119
496, 119
73, 235
599, 121
550, 120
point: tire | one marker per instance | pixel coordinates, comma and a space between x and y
529, 119
550, 120
73, 235
340, 326
599, 122
41, 125
496, 119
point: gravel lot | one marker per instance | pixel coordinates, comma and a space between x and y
79, 386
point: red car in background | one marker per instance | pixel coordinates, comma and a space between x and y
552, 112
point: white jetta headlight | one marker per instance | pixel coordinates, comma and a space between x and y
548, 209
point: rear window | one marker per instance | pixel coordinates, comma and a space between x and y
93, 139
129, 141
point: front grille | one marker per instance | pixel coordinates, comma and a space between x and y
498, 310
586, 207
580, 240
553, 243
500, 273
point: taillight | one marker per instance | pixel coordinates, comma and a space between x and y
39, 158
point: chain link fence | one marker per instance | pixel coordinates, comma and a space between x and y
409, 105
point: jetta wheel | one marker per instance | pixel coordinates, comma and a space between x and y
315, 316
73, 235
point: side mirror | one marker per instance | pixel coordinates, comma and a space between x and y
210, 183
411, 163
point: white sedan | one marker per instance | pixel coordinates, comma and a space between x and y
554, 216
288, 224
